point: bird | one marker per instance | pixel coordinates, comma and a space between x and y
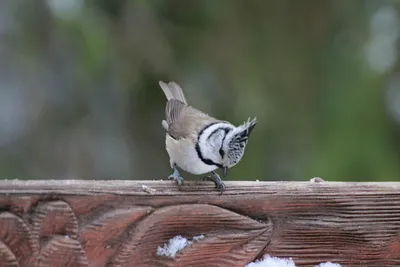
199, 143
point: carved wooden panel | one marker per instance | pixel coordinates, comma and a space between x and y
121, 223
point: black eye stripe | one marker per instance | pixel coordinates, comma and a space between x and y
221, 152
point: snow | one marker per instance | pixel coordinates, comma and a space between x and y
269, 261
317, 180
148, 189
199, 237
176, 244
329, 264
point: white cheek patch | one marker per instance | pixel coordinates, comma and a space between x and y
211, 139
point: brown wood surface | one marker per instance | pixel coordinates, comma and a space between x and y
121, 223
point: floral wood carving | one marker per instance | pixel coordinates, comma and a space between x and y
117, 223
129, 236
234, 239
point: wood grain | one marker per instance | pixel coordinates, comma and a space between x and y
122, 223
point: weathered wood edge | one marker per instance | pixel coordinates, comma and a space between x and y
134, 187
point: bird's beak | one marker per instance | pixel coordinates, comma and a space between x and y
225, 171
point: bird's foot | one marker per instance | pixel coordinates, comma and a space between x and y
176, 176
214, 177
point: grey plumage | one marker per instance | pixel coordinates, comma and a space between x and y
173, 91
176, 102
181, 120
197, 142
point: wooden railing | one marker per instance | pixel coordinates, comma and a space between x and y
123, 223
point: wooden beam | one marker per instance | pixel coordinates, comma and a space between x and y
122, 223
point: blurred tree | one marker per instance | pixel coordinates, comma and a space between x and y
79, 95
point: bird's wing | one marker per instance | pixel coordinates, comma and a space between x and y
185, 121
173, 111
181, 120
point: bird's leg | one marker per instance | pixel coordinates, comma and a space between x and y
214, 177
176, 176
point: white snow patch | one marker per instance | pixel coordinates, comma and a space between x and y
198, 237
175, 245
329, 264
148, 189
269, 261
317, 180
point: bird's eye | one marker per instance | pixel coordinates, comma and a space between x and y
221, 152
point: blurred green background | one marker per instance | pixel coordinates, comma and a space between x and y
79, 94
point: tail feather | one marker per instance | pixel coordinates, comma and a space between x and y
173, 91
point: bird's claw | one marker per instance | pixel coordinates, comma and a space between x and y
175, 176
219, 184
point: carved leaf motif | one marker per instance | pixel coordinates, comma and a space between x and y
62, 251
102, 235
15, 234
84, 205
22, 204
7, 258
225, 232
55, 217
55, 231
228, 248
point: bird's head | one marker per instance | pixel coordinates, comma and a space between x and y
235, 143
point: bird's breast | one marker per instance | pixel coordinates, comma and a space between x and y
183, 153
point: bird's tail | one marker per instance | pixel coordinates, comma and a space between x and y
172, 90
